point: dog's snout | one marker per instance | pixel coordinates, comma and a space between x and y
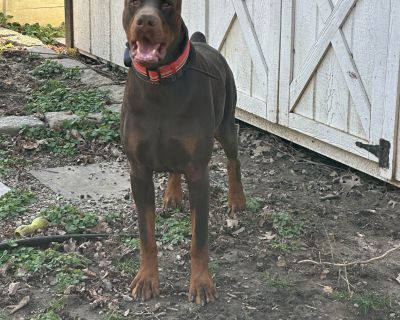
147, 21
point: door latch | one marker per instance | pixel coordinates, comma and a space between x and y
381, 151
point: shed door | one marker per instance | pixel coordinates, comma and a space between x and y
339, 74
247, 32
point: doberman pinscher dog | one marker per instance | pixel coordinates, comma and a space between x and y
180, 95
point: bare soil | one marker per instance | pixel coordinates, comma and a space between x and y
358, 220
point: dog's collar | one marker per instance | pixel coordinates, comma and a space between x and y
167, 71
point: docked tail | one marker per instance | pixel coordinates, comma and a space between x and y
198, 37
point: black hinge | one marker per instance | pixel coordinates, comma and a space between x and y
381, 151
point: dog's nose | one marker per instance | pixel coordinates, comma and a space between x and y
146, 20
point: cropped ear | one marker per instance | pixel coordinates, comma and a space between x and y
179, 6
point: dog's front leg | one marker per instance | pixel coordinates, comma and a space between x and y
146, 284
202, 289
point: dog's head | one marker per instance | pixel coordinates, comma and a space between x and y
153, 30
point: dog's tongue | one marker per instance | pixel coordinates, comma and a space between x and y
147, 51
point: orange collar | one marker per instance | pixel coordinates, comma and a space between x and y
166, 71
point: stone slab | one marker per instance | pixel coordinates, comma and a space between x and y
115, 108
92, 78
43, 52
115, 92
3, 189
56, 120
12, 125
96, 181
18, 39
71, 63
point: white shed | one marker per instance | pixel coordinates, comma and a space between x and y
324, 74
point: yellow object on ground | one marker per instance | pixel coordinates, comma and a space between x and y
43, 12
27, 230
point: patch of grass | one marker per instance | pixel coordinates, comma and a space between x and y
51, 312
47, 34
254, 204
52, 69
213, 267
175, 230
106, 131
15, 203
132, 244
54, 95
67, 266
126, 265
70, 218
56, 141
366, 301
279, 282
287, 232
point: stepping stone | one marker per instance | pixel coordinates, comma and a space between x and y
56, 120
115, 108
13, 124
96, 181
43, 52
71, 63
3, 189
92, 78
19, 39
115, 92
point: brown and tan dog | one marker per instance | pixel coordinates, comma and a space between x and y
179, 96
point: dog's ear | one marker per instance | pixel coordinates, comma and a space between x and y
179, 6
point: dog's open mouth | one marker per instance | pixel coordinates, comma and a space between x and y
147, 53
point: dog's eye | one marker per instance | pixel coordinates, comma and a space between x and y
134, 3
166, 5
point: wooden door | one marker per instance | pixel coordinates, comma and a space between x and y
339, 75
247, 33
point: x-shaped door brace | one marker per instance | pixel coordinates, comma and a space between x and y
334, 18
238, 8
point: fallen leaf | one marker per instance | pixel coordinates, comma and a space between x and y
13, 288
398, 279
327, 289
23, 303
237, 232
281, 263
30, 145
350, 181
268, 236
232, 223
392, 203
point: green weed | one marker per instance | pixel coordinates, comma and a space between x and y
366, 301
68, 277
279, 282
51, 312
126, 265
174, 230
213, 267
49, 315
15, 203
7, 162
287, 232
254, 204
132, 244
54, 95
70, 218
56, 141
51, 69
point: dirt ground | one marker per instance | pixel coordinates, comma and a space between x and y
335, 215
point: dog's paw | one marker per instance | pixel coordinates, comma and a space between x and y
172, 199
236, 200
202, 289
145, 285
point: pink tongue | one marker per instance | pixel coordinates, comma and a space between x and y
147, 51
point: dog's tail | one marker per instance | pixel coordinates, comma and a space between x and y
198, 37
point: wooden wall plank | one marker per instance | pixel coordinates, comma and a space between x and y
81, 21
100, 28
118, 36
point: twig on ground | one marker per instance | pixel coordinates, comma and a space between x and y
354, 263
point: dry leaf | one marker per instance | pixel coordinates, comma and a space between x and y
232, 223
268, 236
392, 203
328, 289
237, 232
13, 288
350, 181
398, 279
281, 263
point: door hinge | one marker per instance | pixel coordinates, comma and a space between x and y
381, 151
